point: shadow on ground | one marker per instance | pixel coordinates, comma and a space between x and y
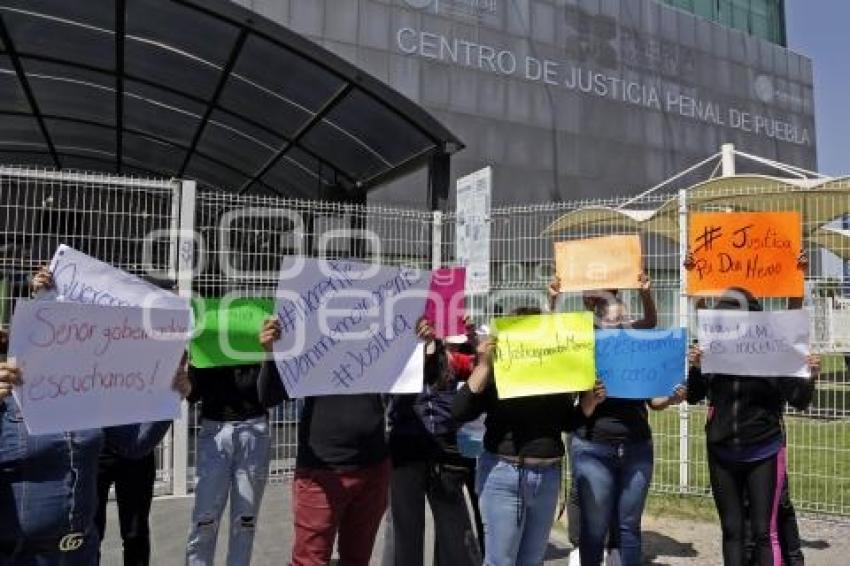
657, 547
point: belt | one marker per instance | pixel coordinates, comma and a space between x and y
68, 542
523, 462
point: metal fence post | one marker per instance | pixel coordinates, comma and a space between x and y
684, 455
185, 267
437, 240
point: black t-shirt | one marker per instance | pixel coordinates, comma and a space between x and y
530, 427
338, 432
616, 421
227, 393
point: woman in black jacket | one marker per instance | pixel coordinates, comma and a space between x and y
427, 463
746, 445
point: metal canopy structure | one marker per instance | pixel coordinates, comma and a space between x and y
201, 89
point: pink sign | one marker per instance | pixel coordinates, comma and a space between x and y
446, 304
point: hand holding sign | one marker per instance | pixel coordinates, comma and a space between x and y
757, 251
10, 377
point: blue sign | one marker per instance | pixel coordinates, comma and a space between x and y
641, 364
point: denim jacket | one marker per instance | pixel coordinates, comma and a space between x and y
48, 483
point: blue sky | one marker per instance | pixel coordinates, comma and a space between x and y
818, 29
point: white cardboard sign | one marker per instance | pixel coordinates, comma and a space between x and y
349, 327
80, 278
88, 366
770, 344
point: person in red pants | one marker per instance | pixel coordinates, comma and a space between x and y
342, 469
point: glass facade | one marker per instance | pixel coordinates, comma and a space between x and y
761, 18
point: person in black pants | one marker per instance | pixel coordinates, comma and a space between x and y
427, 463
746, 445
787, 530
133, 480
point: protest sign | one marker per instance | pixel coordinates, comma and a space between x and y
757, 251
88, 366
641, 364
227, 331
754, 343
349, 327
80, 278
446, 303
609, 262
543, 354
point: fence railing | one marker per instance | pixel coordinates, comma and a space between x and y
239, 240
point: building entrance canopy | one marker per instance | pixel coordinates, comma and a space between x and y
200, 89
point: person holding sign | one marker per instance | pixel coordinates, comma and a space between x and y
342, 469
611, 450
746, 444
519, 473
49, 496
427, 461
233, 460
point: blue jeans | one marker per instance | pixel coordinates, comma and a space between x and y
612, 482
233, 459
518, 509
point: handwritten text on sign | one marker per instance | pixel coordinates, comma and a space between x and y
754, 343
640, 364
608, 262
757, 251
80, 278
543, 354
349, 327
87, 366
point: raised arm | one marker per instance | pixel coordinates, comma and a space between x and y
650, 313
697, 387
796, 303
270, 389
799, 391
479, 391
554, 290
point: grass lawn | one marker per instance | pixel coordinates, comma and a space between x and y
818, 460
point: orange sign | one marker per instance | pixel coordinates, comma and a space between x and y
757, 251
609, 262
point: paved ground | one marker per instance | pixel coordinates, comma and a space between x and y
666, 541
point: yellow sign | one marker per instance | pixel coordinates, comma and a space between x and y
544, 354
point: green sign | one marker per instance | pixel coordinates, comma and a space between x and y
228, 331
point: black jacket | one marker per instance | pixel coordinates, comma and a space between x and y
421, 424
747, 410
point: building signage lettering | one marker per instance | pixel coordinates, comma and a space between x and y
566, 75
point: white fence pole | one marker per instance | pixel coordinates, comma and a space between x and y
437, 240
185, 267
684, 456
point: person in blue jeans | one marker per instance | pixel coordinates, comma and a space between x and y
232, 461
611, 449
519, 473
48, 483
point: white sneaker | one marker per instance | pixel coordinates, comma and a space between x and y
575, 559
